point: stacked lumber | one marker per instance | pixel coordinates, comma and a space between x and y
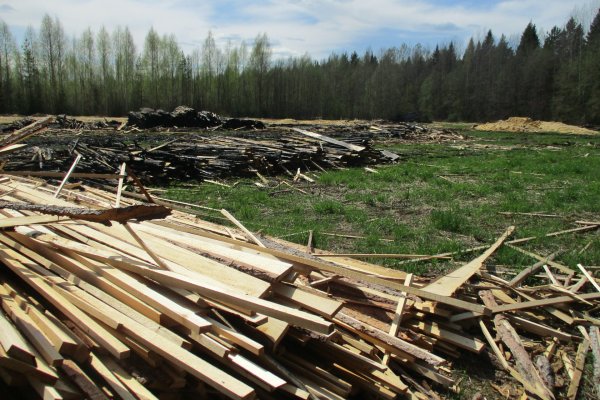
185, 157
175, 307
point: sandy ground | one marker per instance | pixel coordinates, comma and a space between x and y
523, 124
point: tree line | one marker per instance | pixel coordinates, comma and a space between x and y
554, 76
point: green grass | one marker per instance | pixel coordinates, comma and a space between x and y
440, 197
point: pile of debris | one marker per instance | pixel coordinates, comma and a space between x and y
187, 117
65, 122
180, 307
415, 132
182, 157
525, 125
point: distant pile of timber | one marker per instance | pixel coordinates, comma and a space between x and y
187, 117
158, 158
177, 307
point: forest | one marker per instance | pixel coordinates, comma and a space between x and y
551, 76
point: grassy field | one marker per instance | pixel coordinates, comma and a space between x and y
440, 197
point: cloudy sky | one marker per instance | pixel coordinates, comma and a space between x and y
296, 27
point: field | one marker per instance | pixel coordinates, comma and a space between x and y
450, 192
442, 197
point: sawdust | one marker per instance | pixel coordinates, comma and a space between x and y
525, 125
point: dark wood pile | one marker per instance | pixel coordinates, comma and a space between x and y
158, 158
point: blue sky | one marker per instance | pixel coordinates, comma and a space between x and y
296, 27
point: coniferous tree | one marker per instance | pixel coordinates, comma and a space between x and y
591, 72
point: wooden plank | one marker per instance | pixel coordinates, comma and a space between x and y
178, 312
275, 330
133, 385
381, 338
123, 175
327, 139
101, 369
345, 272
589, 277
34, 371
271, 266
236, 337
511, 339
67, 175
144, 246
13, 343
317, 304
30, 330
539, 329
449, 283
379, 255
44, 390
284, 313
12, 147
579, 366
205, 287
34, 128
189, 362
595, 346
83, 381
50, 259
242, 227
63, 342
139, 184
551, 263
463, 341
521, 276
271, 380
395, 325
18, 265
177, 258
30, 220
541, 303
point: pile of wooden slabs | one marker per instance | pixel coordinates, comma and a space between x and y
179, 307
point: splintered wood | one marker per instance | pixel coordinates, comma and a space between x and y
163, 305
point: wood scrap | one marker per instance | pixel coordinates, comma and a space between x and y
107, 289
140, 212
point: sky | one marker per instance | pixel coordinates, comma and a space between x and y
297, 27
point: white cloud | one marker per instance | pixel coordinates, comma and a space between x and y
300, 26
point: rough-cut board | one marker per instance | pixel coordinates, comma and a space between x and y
269, 308
19, 266
345, 272
462, 340
30, 220
391, 343
13, 343
139, 212
449, 283
512, 341
271, 267
578, 373
319, 304
327, 139
177, 258
541, 303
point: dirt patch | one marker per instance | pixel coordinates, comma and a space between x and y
523, 124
